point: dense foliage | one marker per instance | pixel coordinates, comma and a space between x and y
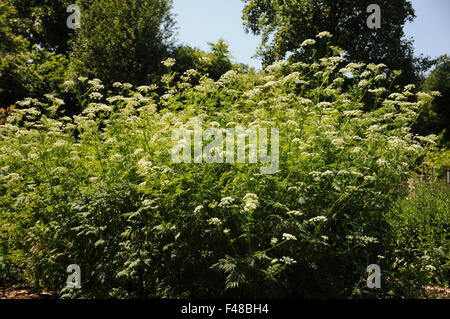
100, 190
421, 222
122, 40
43, 23
436, 118
13, 56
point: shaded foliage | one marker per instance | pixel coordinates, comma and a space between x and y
436, 119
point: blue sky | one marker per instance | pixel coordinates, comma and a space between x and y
203, 21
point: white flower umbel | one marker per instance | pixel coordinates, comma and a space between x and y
308, 42
214, 221
324, 34
170, 62
287, 236
287, 260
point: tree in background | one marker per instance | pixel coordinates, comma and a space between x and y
13, 56
285, 24
214, 63
436, 119
122, 40
43, 22
29, 70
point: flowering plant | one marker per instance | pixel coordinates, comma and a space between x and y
100, 189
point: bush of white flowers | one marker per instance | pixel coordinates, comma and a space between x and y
100, 189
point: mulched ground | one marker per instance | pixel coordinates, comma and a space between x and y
437, 293
16, 292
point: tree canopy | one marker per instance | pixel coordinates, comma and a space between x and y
436, 119
13, 55
43, 22
284, 25
122, 40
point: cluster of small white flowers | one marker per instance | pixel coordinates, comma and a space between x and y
61, 171
228, 77
319, 74
25, 102
138, 151
397, 96
294, 76
424, 96
198, 209
338, 142
144, 166
287, 260
295, 213
363, 239
377, 91
436, 93
96, 84
96, 96
374, 128
214, 221
69, 83
147, 203
188, 74
352, 113
13, 177
304, 101
226, 202
96, 107
382, 162
363, 83
60, 143
143, 88
372, 67
317, 219
324, 104
324, 34
355, 173
115, 98
308, 42
251, 202
430, 268
354, 66
327, 173
380, 77
368, 239
127, 86
170, 62
288, 237
33, 156
116, 157
429, 139
277, 65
